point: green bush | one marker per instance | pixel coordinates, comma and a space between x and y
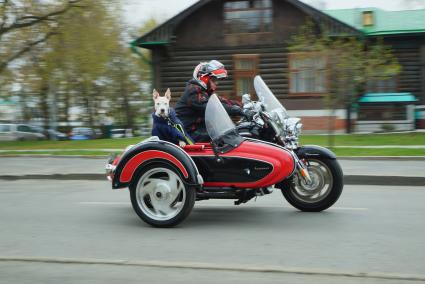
387, 127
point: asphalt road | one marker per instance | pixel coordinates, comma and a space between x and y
82, 231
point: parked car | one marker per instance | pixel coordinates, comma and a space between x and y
98, 133
82, 133
121, 133
145, 131
19, 132
56, 135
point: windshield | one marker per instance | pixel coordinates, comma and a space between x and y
4, 127
266, 96
217, 121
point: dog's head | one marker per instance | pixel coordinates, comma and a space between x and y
162, 104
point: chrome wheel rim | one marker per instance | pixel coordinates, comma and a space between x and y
319, 188
160, 194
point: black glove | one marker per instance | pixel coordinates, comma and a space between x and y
236, 110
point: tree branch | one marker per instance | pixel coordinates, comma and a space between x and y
4, 15
18, 54
27, 21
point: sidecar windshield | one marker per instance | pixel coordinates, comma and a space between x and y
217, 121
271, 103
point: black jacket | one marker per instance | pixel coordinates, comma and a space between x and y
190, 108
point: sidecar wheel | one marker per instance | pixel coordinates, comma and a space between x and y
160, 197
322, 193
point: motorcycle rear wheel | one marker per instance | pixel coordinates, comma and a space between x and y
325, 189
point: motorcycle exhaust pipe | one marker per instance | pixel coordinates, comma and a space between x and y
216, 195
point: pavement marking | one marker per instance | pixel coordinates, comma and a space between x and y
279, 206
103, 203
219, 267
348, 208
219, 205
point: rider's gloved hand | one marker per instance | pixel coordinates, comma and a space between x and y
236, 110
248, 113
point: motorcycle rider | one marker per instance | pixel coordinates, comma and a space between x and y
190, 108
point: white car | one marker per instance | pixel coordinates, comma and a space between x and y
19, 132
121, 133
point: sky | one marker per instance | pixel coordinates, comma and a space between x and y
138, 11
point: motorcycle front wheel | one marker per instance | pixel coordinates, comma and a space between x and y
327, 182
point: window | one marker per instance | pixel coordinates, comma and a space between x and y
251, 16
382, 85
367, 18
24, 128
245, 68
307, 73
382, 112
4, 128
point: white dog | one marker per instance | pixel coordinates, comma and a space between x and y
162, 104
166, 125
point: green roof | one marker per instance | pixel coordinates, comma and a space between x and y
387, 98
385, 22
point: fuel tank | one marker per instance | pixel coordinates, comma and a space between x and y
250, 165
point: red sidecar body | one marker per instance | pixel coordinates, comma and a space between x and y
253, 164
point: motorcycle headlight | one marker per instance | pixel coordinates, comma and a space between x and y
293, 126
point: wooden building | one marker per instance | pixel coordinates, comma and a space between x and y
250, 37
404, 31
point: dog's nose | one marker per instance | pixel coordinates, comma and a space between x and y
162, 110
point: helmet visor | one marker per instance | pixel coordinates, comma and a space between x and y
219, 74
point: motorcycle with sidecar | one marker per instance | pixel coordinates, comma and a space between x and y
165, 180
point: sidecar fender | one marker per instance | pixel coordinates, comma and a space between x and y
313, 151
152, 150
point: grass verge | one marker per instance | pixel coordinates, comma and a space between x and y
91, 147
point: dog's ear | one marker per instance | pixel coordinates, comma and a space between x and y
155, 94
168, 94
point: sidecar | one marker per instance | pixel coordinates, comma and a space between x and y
166, 180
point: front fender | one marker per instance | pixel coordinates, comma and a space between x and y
140, 155
313, 151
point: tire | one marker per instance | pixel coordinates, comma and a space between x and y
160, 197
327, 184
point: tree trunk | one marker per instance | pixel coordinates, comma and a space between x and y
348, 118
331, 129
44, 106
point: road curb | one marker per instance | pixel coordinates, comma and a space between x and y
381, 158
219, 267
348, 179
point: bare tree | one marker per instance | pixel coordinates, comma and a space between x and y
352, 63
24, 25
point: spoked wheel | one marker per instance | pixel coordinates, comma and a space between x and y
323, 191
160, 197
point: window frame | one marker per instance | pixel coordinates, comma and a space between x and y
262, 25
293, 56
244, 73
373, 89
379, 110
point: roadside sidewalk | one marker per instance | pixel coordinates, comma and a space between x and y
366, 171
120, 150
